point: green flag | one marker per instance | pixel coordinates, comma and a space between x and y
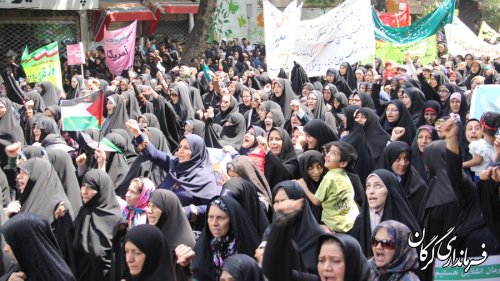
423, 28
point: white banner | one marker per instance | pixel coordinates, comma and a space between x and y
49, 5
280, 32
461, 41
344, 34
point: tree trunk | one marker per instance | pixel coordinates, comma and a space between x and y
197, 38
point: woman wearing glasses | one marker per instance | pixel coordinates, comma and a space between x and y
393, 258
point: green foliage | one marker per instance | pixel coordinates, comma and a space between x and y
241, 21
321, 3
221, 15
491, 10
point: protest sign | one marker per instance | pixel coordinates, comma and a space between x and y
119, 46
43, 65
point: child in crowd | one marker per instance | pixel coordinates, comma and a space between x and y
335, 193
482, 150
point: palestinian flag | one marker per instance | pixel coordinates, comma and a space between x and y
83, 113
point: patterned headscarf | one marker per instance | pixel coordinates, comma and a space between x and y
135, 215
405, 258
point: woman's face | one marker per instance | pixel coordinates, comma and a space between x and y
430, 117
392, 113
383, 254
327, 95
295, 120
277, 90
74, 83
143, 122
376, 192
443, 94
37, 133
423, 139
362, 88
22, 180
247, 98
268, 122
110, 106
474, 84
184, 151
255, 100
153, 213
400, 165
474, 68
315, 171
28, 112
123, 85
133, 193
343, 70
232, 88
280, 197
226, 276
135, 258
248, 138
225, 102
433, 82
331, 262
275, 142
311, 101
297, 136
330, 78
360, 118
218, 222
49, 114
174, 98
359, 75
87, 193
406, 100
455, 105
368, 76
311, 141
305, 91
473, 131
356, 100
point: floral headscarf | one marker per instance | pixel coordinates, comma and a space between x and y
135, 215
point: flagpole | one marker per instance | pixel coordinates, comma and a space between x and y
101, 101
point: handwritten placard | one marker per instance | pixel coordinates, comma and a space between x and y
344, 34
280, 32
119, 46
75, 54
461, 40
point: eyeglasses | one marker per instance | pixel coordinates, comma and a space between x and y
256, 99
312, 98
386, 244
443, 91
391, 110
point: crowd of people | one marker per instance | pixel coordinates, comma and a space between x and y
329, 177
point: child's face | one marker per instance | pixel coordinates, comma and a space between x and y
332, 158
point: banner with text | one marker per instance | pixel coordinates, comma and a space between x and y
489, 270
461, 40
344, 34
43, 65
423, 28
75, 54
280, 31
425, 49
119, 46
